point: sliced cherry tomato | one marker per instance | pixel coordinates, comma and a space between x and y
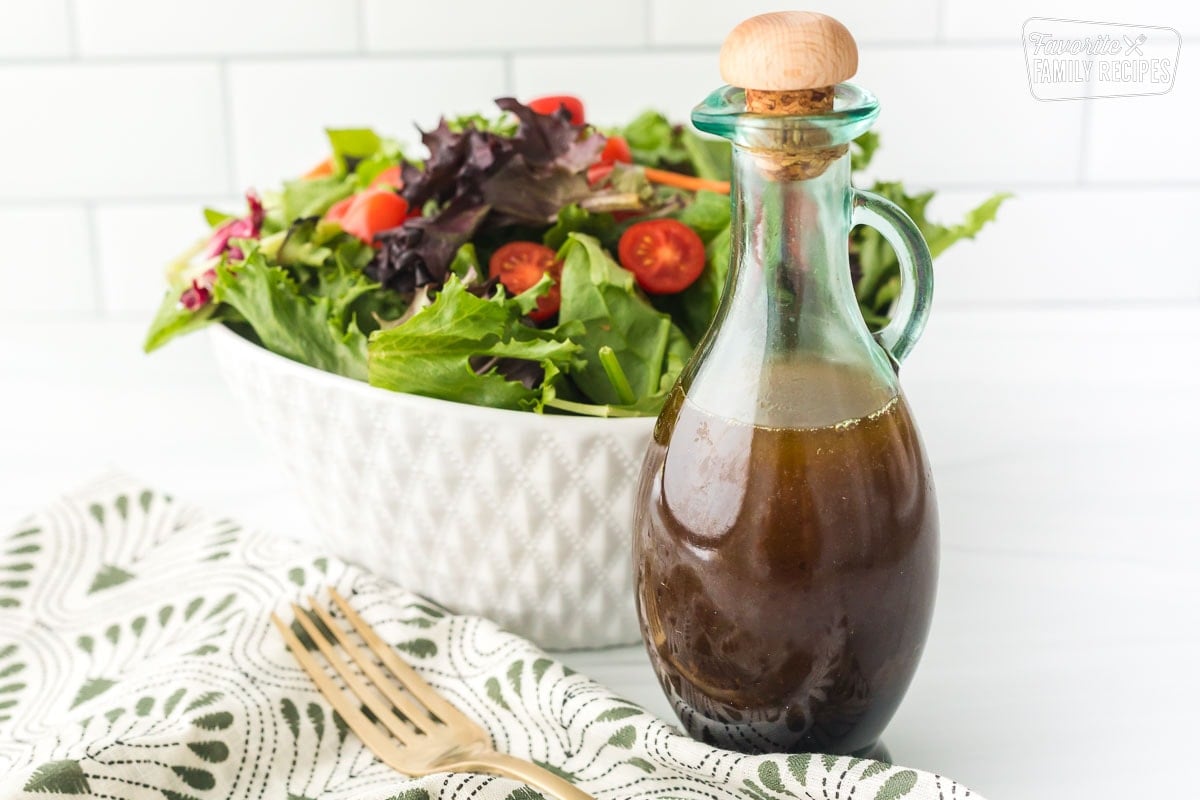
598, 172
616, 149
389, 177
551, 103
372, 212
664, 255
321, 170
520, 265
338, 210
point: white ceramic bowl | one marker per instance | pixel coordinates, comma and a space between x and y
519, 517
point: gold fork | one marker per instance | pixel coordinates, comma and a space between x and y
422, 732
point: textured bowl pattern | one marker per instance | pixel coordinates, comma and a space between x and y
521, 518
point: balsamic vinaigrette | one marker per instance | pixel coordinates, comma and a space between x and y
787, 575
785, 538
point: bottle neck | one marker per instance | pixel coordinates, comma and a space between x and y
789, 308
790, 261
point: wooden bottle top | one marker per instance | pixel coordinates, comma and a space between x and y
789, 61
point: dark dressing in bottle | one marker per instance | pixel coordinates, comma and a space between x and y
785, 541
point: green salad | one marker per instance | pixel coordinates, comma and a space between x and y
529, 261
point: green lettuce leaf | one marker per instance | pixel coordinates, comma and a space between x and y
652, 139
878, 283
655, 141
602, 297
449, 350
679, 350
712, 159
173, 320
862, 150
312, 197
352, 145
318, 329
215, 217
466, 266
573, 219
940, 237
708, 214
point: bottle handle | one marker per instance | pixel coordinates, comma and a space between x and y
916, 270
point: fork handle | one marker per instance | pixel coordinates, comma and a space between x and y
508, 766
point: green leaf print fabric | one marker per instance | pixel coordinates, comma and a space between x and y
137, 660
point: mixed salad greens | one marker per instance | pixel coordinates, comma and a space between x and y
531, 261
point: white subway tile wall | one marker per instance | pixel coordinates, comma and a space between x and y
121, 119
957, 115
973, 20
39, 29
618, 86
486, 25
279, 109
135, 240
1147, 139
705, 22
47, 267
1073, 245
136, 28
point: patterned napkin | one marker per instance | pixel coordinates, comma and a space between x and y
137, 660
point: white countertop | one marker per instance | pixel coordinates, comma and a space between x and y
1066, 449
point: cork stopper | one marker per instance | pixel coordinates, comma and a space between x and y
789, 62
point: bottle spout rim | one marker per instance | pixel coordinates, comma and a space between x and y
723, 113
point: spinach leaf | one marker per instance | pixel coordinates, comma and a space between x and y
573, 219
708, 214
601, 296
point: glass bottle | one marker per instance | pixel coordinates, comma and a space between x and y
786, 532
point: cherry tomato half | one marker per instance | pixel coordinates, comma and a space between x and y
616, 149
664, 255
324, 169
551, 103
337, 211
598, 172
520, 265
373, 211
389, 177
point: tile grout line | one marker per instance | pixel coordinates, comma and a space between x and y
1068, 185
72, 29
97, 273
648, 21
361, 26
691, 48
1085, 140
228, 127
510, 74
940, 33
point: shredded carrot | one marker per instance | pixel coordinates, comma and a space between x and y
321, 170
667, 178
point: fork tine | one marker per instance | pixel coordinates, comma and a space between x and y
406, 675
417, 715
357, 721
382, 711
